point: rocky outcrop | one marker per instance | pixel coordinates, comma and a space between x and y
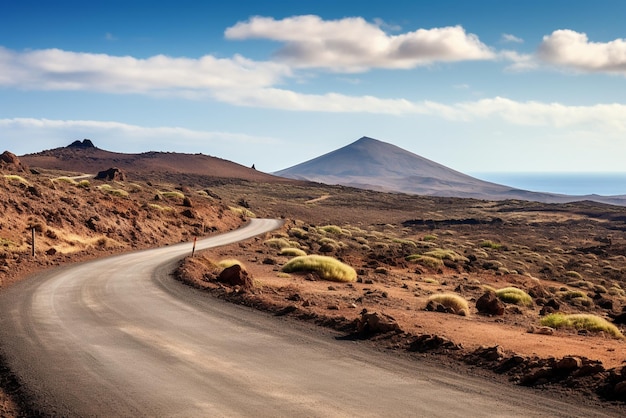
10, 162
489, 304
85, 143
371, 323
235, 276
111, 174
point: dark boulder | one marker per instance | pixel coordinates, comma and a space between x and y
10, 162
111, 174
489, 304
235, 276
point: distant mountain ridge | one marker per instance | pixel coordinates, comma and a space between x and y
372, 164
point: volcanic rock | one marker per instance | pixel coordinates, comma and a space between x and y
85, 143
10, 162
489, 304
111, 174
235, 276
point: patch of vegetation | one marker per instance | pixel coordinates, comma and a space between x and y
515, 296
16, 178
445, 255
426, 261
430, 280
430, 237
574, 274
84, 184
6, 242
331, 229
452, 301
298, 233
490, 244
278, 243
67, 180
176, 195
229, 262
327, 268
292, 252
404, 242
587, 322
243, 212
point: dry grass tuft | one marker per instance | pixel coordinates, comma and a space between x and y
587, 322
327, 268
452, 301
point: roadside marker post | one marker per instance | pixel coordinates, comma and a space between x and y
193, 250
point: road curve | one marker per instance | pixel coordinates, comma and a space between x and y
119, 337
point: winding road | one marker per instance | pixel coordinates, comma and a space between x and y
119, 337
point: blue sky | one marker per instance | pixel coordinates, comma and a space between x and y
479, 86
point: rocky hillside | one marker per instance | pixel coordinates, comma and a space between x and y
74, 218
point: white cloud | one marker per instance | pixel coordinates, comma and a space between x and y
55, 69
354, 45
520, 62
531, 113
508, 38
573, 50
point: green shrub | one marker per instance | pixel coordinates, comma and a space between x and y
574, 274
453, 301
177, 195
84, 184
247, 213
327, 268
292, 252
331, 229
429, 237
587, 322
426, 261
490, 244
445, 255
514, 295
278, 243
404, 242
15, 177
67, 180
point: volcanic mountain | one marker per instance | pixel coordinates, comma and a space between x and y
85, 157
372, 164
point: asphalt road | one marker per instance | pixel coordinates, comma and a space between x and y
119, 337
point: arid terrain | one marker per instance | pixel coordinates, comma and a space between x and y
568, 258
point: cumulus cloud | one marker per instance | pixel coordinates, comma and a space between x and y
55, 69
573, 50
355, 45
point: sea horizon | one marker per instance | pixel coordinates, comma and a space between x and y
576, 184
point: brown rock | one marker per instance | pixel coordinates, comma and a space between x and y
489, 304
111, 174
10, 162
376, 323
235, 276
569, 363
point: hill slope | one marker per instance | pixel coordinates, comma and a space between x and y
84, 157
372, 164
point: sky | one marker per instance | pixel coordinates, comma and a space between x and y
479, 86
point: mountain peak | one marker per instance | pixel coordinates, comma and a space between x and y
85, 143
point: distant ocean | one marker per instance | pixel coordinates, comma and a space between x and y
605, 184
